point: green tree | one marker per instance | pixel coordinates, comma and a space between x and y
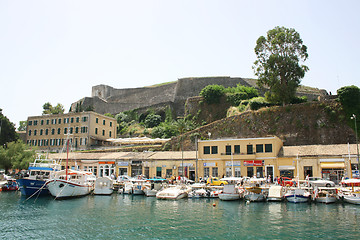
7, 130
152, 120
277, 67
16, 155
49, 109
212, 93
22, 126
349, 97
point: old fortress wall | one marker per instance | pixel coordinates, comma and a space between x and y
106, 99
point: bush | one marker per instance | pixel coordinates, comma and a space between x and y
212, 93
152, 120
235, 98
257, 103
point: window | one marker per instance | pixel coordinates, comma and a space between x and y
214, 149
84, 119
71, 130
29, 132
42, 122
46, 131
59, 131
65, 130
59, 121
228, 150
77, 119
41, 132
97, 120
35, 122
259, 172
35, 131
206, 150
110, 124
237, 149
77, 130
268, 147
259, 148
104, 122
206, 172
30, 123
109, 133
96, 131
103, 132
250, 149
47, 121
72, 120
215, 172
250, 171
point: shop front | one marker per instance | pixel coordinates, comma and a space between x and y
123, 168
287, 171
107, 169
332, 169
254, 168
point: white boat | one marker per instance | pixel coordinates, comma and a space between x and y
104, 186
276, 193
352, 197
297, 195
174, 192
325, 195
254, 194
230, 192
71, 183
152, 189
199, 193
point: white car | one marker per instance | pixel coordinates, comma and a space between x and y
319, 182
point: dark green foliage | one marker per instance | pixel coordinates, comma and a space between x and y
152, 120
7, 130
297, 100
109, 115
89, 108
349, 97
212, 93
278, 63
49, 109
257, 103
16, 155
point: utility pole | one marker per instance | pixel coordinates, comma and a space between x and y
357, 143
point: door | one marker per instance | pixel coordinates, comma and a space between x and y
270, 172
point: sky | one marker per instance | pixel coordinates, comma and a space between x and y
56, 50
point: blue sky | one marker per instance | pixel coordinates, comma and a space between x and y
55, 51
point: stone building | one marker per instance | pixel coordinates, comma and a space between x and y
85, 129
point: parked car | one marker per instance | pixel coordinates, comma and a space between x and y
320, 182
214, 181
285, 181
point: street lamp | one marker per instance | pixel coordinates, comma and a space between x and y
357, 143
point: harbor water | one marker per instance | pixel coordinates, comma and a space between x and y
139, 217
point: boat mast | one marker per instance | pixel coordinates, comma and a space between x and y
67, 158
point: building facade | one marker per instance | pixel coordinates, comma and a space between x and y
85, 129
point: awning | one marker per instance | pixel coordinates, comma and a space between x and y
286, 167
332, 165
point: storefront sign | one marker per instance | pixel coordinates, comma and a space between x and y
236, 163
123, 164
254, 163
107, 162
187, 164
209, 164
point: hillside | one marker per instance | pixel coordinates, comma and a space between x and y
298, 124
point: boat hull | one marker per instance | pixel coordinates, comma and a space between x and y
294, 198
29, 187
65, 189
229, 196
254, 197
351, 199
327, 199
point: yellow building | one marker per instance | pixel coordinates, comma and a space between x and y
48, 132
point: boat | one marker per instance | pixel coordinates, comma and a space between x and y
153, 186
103, 186
352, 197
174, 192
350, 182
230, 192
254, 194
71, 183
325, 195
10, 185
297, 195
40, 171
276, 193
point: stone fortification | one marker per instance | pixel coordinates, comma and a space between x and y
106, 99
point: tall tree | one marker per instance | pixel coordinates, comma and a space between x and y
49, 109
7, 130
16, 155
277, 67
22, 126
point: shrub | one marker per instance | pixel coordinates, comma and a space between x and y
152, 120
257, 103
212, 93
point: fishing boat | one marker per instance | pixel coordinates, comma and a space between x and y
103, 186
174, 192
325, 195
255, 194
41, 170
276, 193
230, 192
10, 185
297, 195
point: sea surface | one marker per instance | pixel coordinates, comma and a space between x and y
139, 217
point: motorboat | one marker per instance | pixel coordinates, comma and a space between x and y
352, 197
230, 192
276, 193
199, 193
40, 171
325, 195
71, 183
350, 182
152, 189
254, 194
174, 192
10, 185
103, 186
297, 195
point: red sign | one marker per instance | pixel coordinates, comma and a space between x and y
106, 162
253, 163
